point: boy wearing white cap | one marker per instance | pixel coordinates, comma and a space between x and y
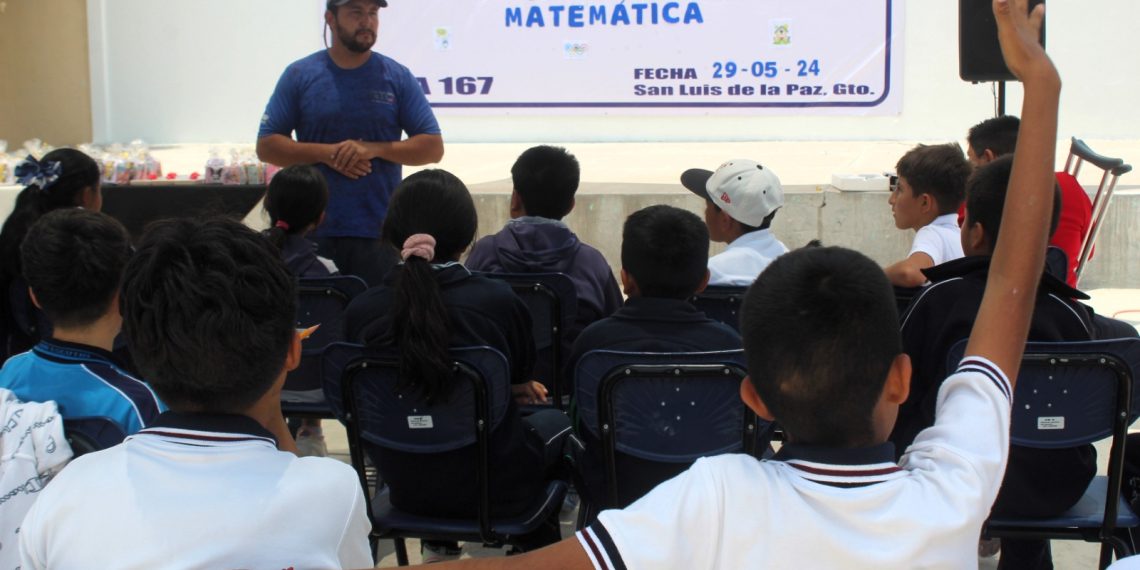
741, 199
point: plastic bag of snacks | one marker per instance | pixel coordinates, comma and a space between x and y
215, 168
6, 169
254, 168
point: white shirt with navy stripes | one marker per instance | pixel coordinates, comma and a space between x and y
195, 491
826, 508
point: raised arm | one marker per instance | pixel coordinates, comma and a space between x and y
1002, 325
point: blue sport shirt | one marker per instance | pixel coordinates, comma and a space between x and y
375, 102
84, 381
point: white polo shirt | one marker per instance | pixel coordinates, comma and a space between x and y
829, 508
197, 491
940, 239
741, 263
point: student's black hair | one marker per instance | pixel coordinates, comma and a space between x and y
208, 312
295, 200
820, 328
436, 203
73, 261
985, 198
78, 172
939, 170
666, 251
546, 178
745, 228
998, 134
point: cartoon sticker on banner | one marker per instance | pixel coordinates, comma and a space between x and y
442, 38
576, 50
781, 32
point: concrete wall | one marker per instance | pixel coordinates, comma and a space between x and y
858, 220
44, 85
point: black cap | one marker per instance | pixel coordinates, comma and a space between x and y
334, 3
696, 180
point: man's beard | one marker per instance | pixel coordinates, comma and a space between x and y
348, 39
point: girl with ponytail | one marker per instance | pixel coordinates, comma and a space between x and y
296, 201
63, 178
429, 304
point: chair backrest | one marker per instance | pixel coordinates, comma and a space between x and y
1113, 168
321, 301
366, 394
1074, 393
553, 304
88, 434
670, 408
721, 303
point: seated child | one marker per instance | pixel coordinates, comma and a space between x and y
1038, 482
536, 240
663, 256
741, 200
431, 303
997, 137
825, 360
208, 311
63, 178
73, 261
295, 201
931, 183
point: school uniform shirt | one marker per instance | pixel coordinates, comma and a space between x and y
300, 256
812, 507
533, 244
199, 491
480, 312
84, 381
940, 239
745, 258
1042, 482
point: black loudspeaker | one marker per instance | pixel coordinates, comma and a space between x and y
979, 54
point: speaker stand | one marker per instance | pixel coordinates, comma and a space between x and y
1001, 98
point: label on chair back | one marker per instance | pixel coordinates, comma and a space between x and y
1043, 422
419, 422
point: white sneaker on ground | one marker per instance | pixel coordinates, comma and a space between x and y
311, 445
439, 552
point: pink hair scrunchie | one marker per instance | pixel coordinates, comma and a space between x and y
419, 245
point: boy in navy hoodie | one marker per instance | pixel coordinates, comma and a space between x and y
536, 240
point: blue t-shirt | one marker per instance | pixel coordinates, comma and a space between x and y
324, 103
85, 381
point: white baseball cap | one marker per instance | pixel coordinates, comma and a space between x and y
743, 188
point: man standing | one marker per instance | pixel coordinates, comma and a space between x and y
348, 106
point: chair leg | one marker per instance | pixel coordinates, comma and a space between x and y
1106, 551
401, 552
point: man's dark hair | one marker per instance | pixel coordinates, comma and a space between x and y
821, 329
745, 228
546, 178
939, 170
998, 134
208, 310
666, 250
985, 198
73, 261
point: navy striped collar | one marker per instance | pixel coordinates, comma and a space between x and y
207, 428
842, 467
73, 353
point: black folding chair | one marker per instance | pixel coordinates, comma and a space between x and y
368, 397
1070, 394
320, 301
91, 433
1113, 168
651, 415
721, 303
553, 304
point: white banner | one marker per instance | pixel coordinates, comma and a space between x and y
767, 56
